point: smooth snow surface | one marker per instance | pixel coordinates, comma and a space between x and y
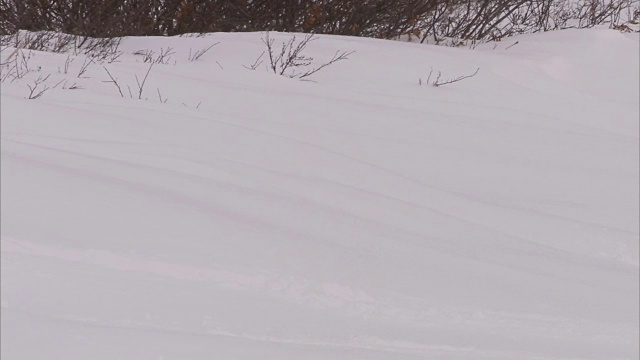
356, 216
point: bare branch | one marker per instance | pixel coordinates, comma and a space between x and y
74, 87
85, 65
198, 54
451, 81
438, 82
255, 63
141, 85
163, 101
114, 81
512, 45
37, 90
338, 56
67, 63
60, 82
164, 56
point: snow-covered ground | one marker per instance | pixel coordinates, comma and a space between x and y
356, 216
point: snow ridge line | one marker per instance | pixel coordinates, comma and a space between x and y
338, 297
302, 291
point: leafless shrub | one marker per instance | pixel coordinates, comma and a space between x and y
290, 60
99, 49
165, 55
437, 20
544, 15
39, 41
379, 18
290, 55
139, 83
439, 81
82, 17
7, 67
151, 57
594, 12
16, 65
196, 55
39, 87
457, 23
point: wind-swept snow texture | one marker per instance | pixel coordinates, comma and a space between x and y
358, 216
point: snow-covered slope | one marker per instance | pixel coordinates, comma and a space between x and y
358, 216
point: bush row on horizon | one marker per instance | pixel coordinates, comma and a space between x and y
427, 20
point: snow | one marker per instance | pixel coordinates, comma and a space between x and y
356, 216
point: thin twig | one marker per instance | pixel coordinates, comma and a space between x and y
114, 81
338, 56
512, 45
255, 63
198, 54
451, 81
85, 65
34, 92
60, 82
141, 85
67, 63
160, 96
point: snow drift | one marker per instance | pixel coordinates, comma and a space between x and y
358, 216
